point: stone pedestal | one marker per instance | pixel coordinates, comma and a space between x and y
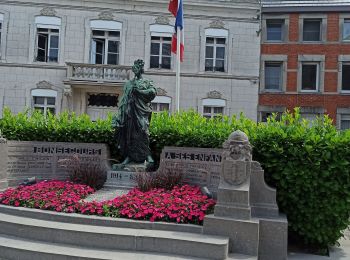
3, 163
246, 209
125, 178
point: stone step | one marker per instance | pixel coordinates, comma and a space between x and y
114, 238
13, 248
98, 221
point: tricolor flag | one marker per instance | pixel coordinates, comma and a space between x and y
176, 8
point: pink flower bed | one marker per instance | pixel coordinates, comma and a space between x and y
49, 195
185, 204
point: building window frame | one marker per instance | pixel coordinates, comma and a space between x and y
45, 95
317, 111
285, 28
213, 104
215, 45
48, 34
342, 18
215, 33
160, 101
323, 27
281, 59
342, 113
342, 60
52, 27
93, 23
106, 39
162, 42
158, 30
279, 110
318, 60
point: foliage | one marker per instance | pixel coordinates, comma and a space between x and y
163, 178
49, 195
87, 173
183, 204
307, 162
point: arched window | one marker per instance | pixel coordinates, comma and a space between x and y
105, 42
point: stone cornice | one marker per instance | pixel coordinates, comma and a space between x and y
232, 10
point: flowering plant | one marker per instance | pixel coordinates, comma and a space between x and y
185, 204
50, 195
182, 204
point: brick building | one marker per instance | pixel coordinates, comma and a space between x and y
305, 59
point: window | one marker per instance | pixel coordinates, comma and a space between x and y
346, 30
160, 52
312, 30
273, 75
344, 122
44, 100
161, 103
159, 107
310, 77
215, 54
47, 45
274, 29
45, 104
309, 116
266, 115
105, 47
211, 112
346, 77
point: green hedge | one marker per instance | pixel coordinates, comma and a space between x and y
307, 162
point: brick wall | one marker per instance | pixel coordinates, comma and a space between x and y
330, 99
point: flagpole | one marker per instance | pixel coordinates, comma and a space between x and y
178, 68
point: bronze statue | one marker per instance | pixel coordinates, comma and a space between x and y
132, 120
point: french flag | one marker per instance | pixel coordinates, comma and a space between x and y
176, 8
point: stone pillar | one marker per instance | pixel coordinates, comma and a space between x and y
67, 102
246, 209
3, 163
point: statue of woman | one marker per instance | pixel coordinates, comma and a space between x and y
132, 120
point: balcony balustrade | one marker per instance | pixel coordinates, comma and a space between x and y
99, 72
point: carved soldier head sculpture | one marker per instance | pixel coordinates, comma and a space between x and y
237, 157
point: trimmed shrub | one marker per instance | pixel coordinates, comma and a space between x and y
308, 162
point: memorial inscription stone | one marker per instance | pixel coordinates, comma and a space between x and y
40, 159
201, 166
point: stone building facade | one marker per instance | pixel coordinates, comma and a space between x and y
305, 59
68, 54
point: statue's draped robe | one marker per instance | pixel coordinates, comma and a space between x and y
133, 118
